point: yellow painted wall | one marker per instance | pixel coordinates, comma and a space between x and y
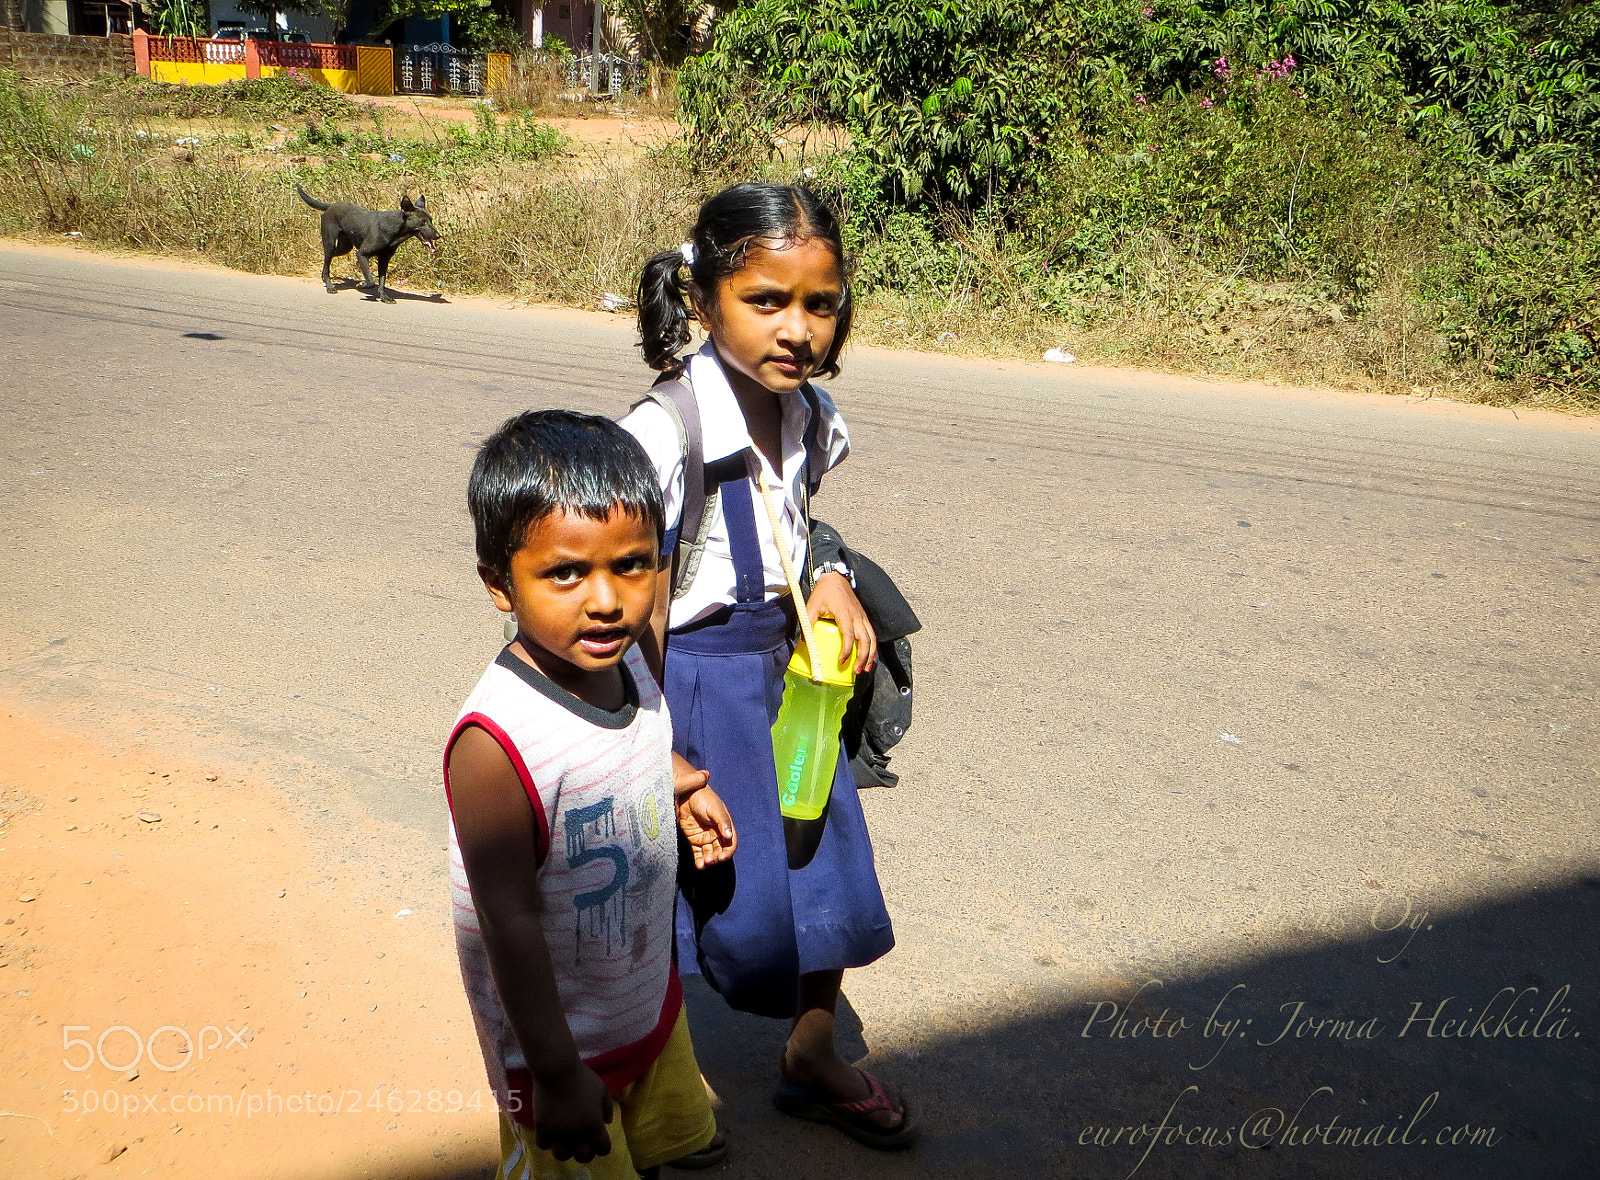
196, 73
374, 70
344, 80
374, 73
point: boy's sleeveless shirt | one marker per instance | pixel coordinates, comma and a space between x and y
601, 788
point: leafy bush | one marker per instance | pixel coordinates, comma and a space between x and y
943, 101
1502, 83
964, 102
1420, 173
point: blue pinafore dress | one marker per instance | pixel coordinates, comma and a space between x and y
752, 926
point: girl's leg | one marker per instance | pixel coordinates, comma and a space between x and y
811, 1059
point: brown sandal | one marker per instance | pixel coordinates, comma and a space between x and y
709, 1156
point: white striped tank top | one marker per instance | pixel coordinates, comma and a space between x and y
601, 788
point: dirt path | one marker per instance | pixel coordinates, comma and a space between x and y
618, 131
192, 985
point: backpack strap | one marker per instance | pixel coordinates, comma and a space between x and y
688, 541
816, 461
816, 466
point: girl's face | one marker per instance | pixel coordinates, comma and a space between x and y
773, 320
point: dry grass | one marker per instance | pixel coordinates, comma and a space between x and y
566, 235
656, 99
558, 230
571, 229
533, 82
1174, 313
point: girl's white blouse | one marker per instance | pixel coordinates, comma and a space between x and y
724, 433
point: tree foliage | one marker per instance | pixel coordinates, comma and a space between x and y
944, 100
268, 10
964, 101
179, 18
1449, 148
661, 28
474, 24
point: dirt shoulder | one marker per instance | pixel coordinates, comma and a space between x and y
197, 984
604, 128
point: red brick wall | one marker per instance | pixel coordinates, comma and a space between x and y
47, 55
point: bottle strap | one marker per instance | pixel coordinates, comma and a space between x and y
788, 569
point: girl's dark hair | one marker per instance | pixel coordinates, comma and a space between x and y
732, 223
545, 461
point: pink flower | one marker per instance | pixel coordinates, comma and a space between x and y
1149, 14
1206, 104
1141, 99
1278, 69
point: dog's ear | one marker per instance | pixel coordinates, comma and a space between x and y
405, 203
422, 203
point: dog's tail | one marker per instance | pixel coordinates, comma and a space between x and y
309, 199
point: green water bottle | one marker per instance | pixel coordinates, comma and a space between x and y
805, 737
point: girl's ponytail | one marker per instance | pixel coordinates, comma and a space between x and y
663, 310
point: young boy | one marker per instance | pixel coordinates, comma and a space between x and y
564, 850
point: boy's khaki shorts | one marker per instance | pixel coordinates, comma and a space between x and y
662, 1116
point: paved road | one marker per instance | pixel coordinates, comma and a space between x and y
1217, 687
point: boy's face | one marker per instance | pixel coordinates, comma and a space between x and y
582, 590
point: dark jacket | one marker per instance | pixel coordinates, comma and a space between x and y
880, 712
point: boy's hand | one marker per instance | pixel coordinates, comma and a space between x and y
570, 1114
702, 815
833, 598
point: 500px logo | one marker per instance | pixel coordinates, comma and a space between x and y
177, 1047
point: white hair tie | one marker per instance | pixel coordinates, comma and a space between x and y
687, 250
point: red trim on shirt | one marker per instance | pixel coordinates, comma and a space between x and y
618, 1068
542, 842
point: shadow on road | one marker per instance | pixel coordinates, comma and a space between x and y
1483, 1020
371, 293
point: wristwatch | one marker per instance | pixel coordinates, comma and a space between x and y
834, 567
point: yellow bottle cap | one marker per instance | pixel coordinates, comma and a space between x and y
829, 644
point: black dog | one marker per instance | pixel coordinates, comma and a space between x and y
371, 233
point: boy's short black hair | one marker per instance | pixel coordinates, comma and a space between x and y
545, 461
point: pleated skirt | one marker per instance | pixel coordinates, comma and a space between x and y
754, 925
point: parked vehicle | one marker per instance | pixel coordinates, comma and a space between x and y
239, 33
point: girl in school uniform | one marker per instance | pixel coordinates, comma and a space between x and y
764, 274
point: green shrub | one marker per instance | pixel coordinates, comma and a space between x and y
1391, 171
944, 101
285, 97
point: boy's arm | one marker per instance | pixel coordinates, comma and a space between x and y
498, 835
